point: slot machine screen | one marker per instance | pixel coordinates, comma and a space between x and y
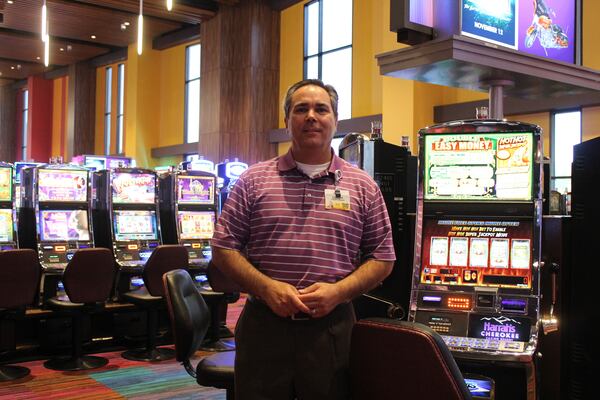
95, 163
63, 225
479, 166
5, 184
470, 252
6, 225
196, 224
62, 185
195, 189
135, 225
136, 188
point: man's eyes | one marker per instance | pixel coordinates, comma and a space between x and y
320, 110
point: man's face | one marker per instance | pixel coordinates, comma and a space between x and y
311, 121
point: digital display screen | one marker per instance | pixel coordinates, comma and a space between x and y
19, 165
95, 162
196, 224
62, 185
493, 253
135, 225
544, 28
6, 225
133, 188
499, 327
5, 184
482, 388
64, 225
119, 162
195, 189
486, 166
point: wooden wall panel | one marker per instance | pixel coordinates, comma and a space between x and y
240, 80
8, 126
81, 110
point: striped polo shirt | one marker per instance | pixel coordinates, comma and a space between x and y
276, 216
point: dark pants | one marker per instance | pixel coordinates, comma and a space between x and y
279, 358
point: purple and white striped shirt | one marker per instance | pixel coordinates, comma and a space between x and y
276, 216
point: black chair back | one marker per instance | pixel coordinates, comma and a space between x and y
164, 258
90, 275
189, 315
385, 351
19, 278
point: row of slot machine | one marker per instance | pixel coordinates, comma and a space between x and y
61, 208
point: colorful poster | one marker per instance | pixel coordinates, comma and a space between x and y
491, 20
196, 224
5, 184
133, 188
547, 28
62, 185
64, 225
195, 189
6, 225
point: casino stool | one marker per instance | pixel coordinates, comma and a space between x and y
88, 280
151, 298
190, 322
19, 280
384, 352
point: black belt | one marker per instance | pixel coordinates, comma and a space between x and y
299, 316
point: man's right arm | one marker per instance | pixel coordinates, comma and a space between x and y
281, 297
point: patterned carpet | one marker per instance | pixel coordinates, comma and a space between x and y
119, 379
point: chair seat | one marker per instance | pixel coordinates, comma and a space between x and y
141, 297
63, 303
216, 370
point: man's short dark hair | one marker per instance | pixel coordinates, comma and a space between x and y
333, 96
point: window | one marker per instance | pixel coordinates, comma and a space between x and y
192, 94
566, 133
25, 118
328, 47
107, 109
120, 107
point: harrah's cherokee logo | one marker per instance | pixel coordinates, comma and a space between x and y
500, 328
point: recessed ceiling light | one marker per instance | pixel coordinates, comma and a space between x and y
93, 36
9, 1
0, 73
62, 49
37, 58
126, 23
12, 67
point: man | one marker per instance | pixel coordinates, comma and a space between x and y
303, 234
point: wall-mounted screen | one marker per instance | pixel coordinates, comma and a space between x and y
6, 225
63, 225
544, 28
62, 185
479, 166
193, 189
494, 253
5, 184
135, 225
196, 224
133, 188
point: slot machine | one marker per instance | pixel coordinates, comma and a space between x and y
394, 170
54, 218
228, 173
188, 211
476, 277
8, 240
126, 219
18, 167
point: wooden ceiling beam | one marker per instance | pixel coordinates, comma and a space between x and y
190, 12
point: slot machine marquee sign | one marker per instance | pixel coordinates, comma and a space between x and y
475, 279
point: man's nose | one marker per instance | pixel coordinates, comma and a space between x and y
311, 114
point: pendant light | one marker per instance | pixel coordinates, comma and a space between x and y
44, 33
169, 5
140, 36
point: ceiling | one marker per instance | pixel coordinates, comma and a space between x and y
85, 29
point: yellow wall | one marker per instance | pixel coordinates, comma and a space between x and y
59, 115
